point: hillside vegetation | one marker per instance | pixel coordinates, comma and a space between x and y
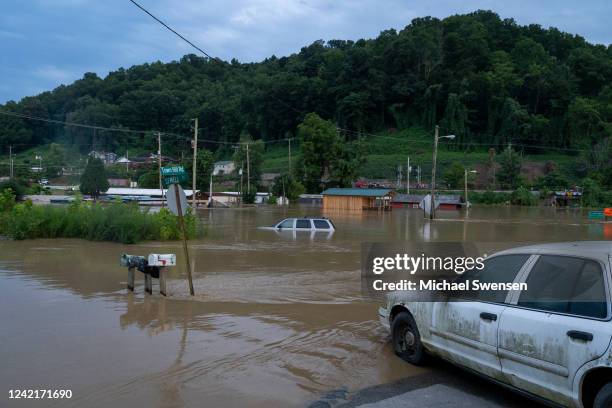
485, 79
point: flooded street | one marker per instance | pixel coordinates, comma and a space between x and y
277, 320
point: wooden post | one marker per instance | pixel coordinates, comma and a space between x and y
148, 284
130, 282
182, 225
162, 281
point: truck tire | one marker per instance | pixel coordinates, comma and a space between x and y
407, 340
604, 397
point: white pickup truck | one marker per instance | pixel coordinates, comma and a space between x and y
550, 342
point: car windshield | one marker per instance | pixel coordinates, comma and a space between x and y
288, 223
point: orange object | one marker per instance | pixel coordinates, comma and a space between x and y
608, 212
607, 231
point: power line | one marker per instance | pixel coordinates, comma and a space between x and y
171, 29
150, 133
221, 142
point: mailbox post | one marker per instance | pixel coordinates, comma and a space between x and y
153, 267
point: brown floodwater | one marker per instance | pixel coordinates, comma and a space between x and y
277, 320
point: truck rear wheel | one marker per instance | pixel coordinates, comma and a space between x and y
604, 397
406, 339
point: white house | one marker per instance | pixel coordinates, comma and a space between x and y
106, 157
223, 167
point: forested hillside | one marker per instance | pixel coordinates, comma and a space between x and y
487, 80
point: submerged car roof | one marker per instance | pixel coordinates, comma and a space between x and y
591, 249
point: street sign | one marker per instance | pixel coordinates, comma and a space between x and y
425, 204
172, 170
173, 202
596, 215
173, 175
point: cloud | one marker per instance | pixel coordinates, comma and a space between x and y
55, 74
49, 42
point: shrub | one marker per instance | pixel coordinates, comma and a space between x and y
248, 198
17, 186
489, 197
118, 222
522, 196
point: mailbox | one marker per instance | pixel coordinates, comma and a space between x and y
152, 267
131, 261
162, 260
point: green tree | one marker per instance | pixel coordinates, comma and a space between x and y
286, 185
205, 163
17, 186
54, 160
592, 195
554, 180
509, 174
454, 176
93, 179
149, 179
522, 196
326, 157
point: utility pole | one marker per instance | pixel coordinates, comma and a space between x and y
466, 193
289, 140
159, 161
467, 203
11, 159
432, 214
241, 177
248, 171
408, 175
419, 176
210, 201
399, 176
433, 175
195, 154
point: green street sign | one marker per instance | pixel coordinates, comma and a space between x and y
173, 171
173, 175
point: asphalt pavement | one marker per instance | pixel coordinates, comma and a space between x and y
443, 386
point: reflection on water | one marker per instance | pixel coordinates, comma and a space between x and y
277, 319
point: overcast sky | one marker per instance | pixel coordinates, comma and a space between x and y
45, 43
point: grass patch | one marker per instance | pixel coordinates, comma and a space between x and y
117, 222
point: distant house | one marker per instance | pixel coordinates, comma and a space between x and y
357, 199
223, 167
106, 157
446, 201
119, 182
140, 192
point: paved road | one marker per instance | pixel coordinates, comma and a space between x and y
444, 386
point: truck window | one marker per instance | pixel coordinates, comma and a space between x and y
566, 284
286, 224
302, 224
321, 224
500, 269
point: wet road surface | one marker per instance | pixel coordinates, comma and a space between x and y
278, 318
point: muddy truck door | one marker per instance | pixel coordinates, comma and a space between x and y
465, 328
557, 325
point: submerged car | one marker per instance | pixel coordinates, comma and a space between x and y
303, 224
551, 341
